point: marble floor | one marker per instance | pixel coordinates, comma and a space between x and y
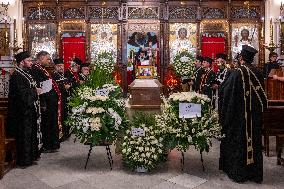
65, 170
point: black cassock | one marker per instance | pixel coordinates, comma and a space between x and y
49, 104
23, 119
208, 78
240, 109
61, 81
73, 80
197, 78
82, 77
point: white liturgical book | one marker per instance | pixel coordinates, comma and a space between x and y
189, 110
46, 86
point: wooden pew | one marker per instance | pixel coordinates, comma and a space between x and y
273, 119
6, 144
2, 146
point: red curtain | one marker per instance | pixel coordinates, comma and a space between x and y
212, 46
73, 47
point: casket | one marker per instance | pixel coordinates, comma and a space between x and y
145, 93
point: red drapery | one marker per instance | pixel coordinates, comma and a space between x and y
73, 47
212, 46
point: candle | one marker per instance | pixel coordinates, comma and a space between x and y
15, 31
23, 31
6, 37
271, 31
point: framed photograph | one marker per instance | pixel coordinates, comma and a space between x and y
145, 72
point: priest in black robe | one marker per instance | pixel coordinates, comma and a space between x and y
85, 72
72, 74
51, 104
23, 119
242, 100
208, 78
197, 74
272, 64
64, 86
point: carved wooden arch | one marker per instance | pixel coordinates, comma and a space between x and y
183, 12
73, 13
238, 12
103, 13
143, 12
213, 13
44, 13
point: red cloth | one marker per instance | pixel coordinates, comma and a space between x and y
212, 46
73, 47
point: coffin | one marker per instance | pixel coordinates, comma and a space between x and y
145, 93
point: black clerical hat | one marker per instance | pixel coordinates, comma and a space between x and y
209, 60
78, 61
248, 53
199, 58
22, 56
58, 61
222, 55
85, 65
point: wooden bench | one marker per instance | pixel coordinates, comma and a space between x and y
7, 145
273, 120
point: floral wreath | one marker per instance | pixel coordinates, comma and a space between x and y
97, 110
184, 64
179, 132
105, 62
142, 150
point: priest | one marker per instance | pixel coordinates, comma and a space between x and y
242, 100
64, 86
50, 101
85, 72
207, 79
72, 74
23, 119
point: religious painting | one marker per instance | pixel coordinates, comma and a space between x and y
42, 37
103, 39
244, 34
145, 72
142, 50
182, 38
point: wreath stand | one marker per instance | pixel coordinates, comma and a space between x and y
182, 161
108, 151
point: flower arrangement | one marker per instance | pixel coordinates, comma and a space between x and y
105, 62
184, 64
97, 111
143, 143
180, 132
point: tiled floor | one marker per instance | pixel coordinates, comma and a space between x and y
65, 170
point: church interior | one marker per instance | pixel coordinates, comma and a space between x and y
145, 52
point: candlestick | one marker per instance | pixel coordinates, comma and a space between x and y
271, 46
